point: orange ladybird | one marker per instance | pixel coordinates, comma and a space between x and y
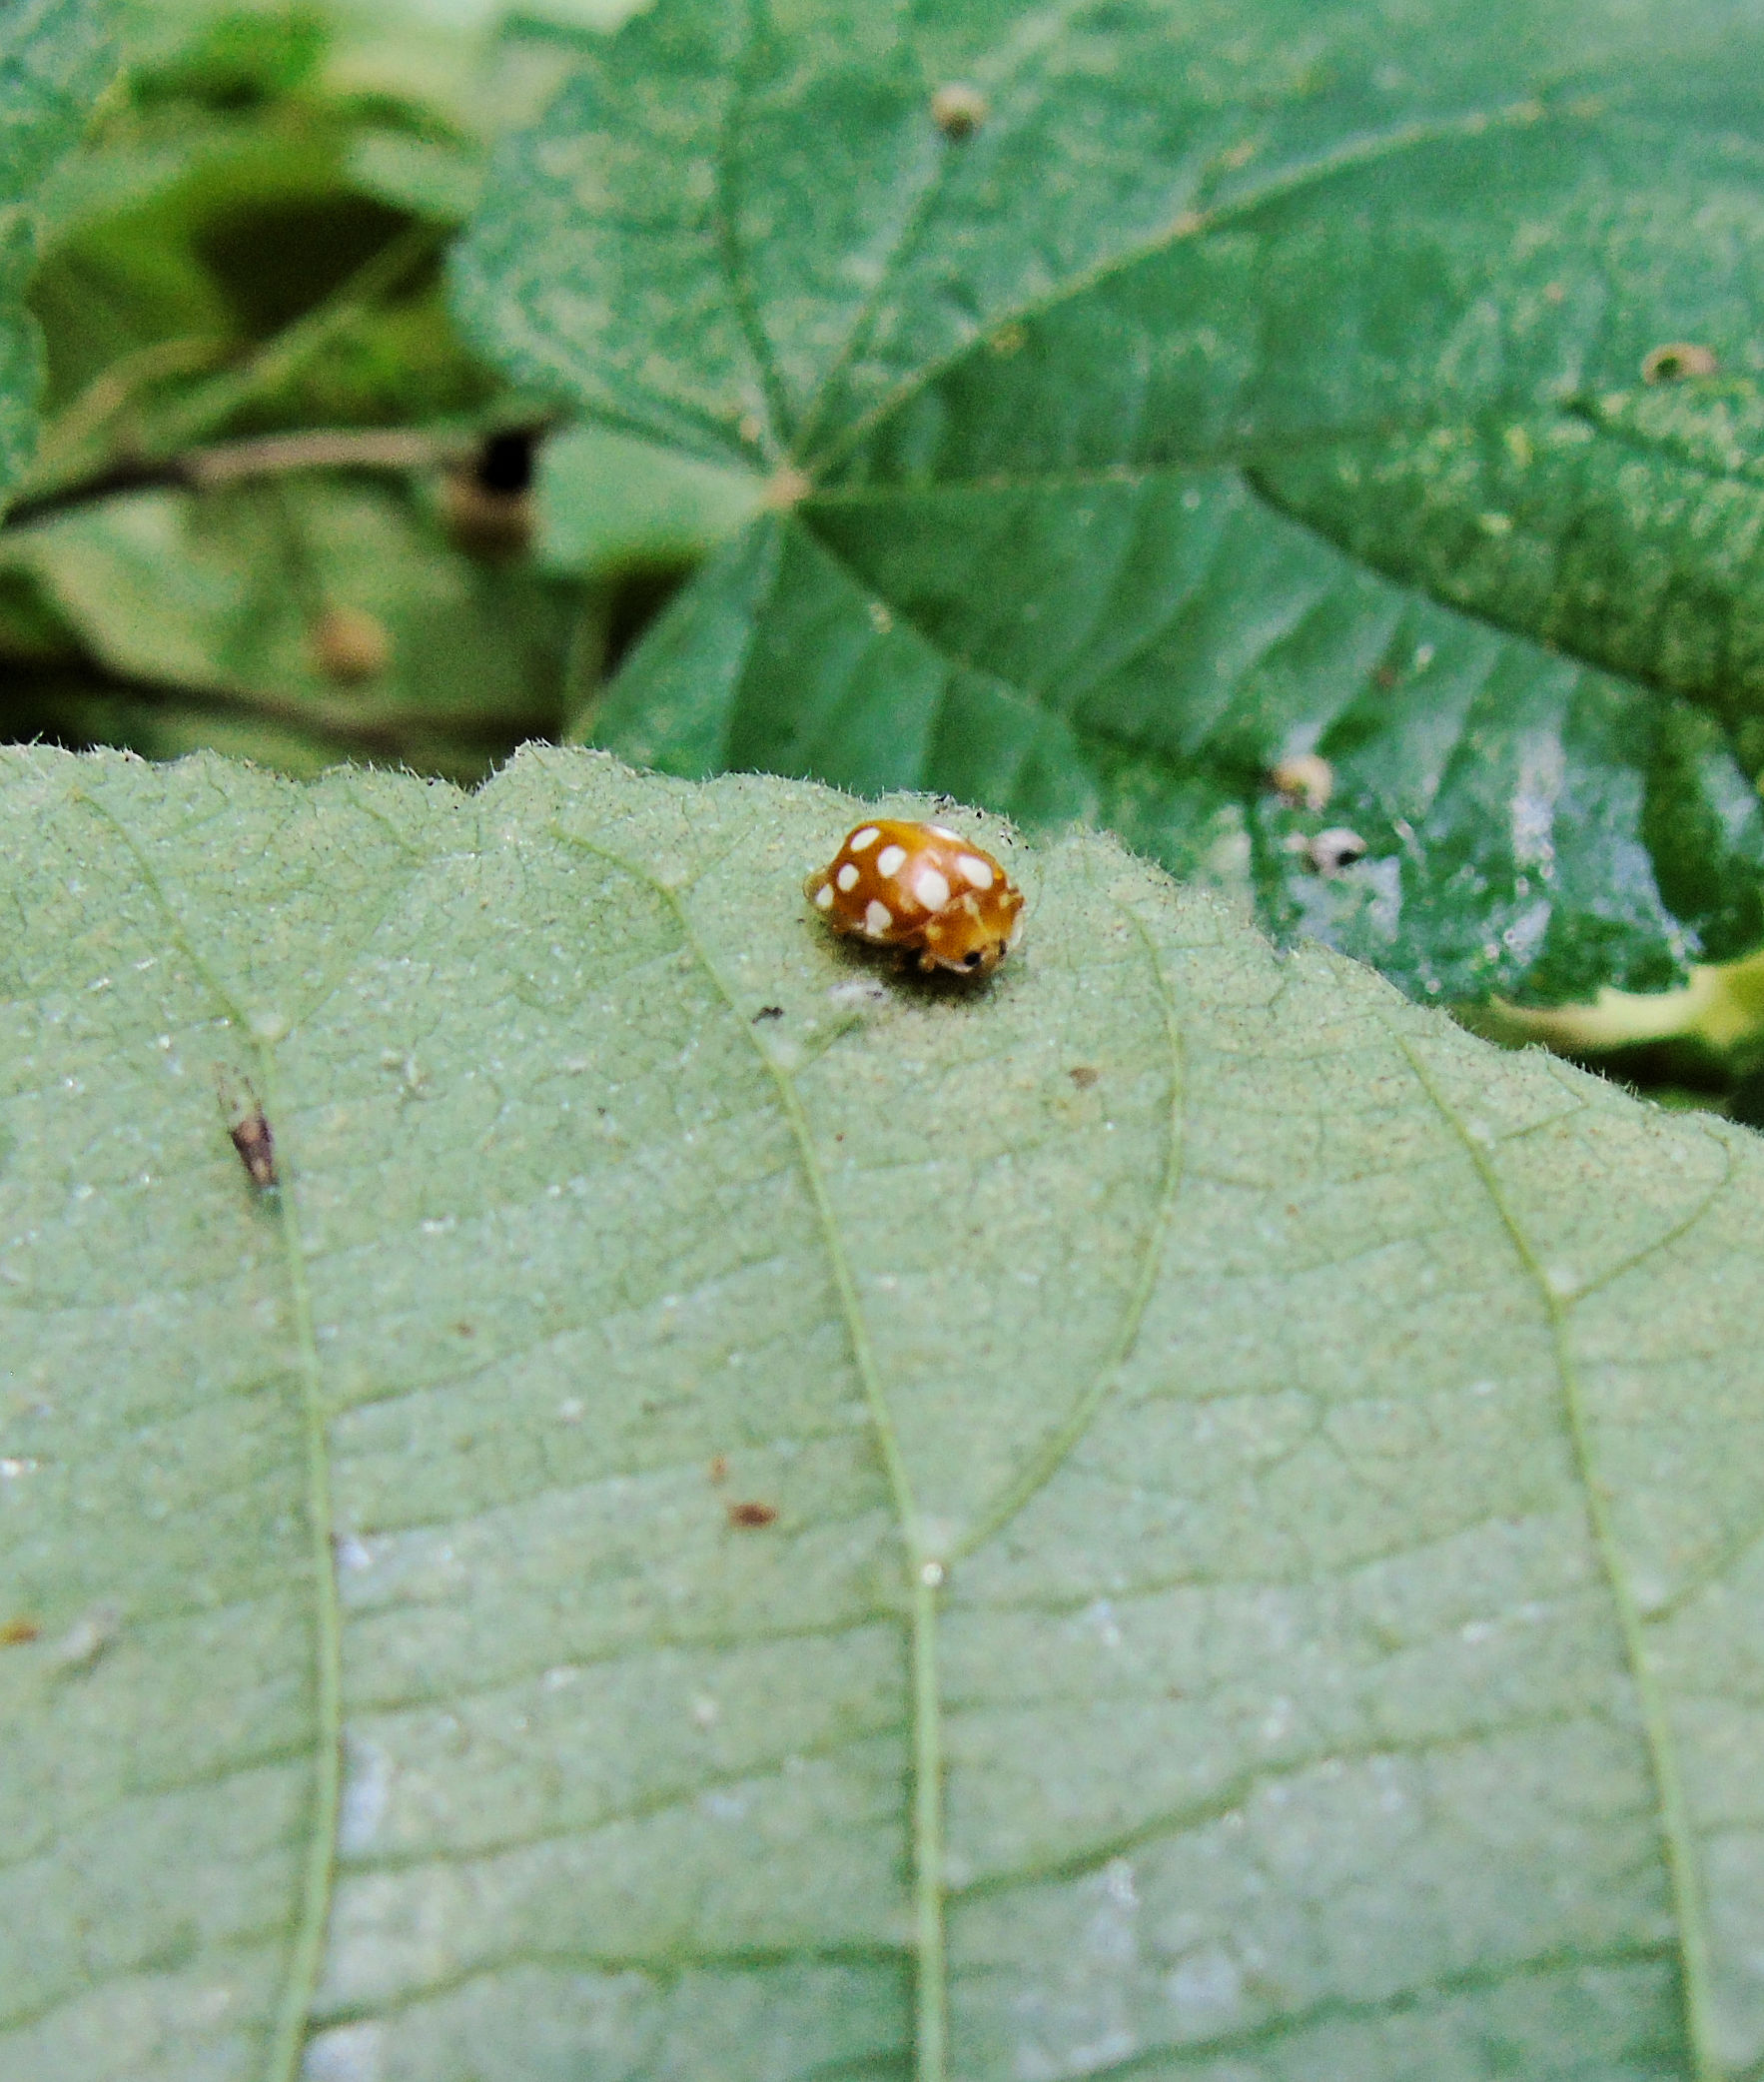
922, 888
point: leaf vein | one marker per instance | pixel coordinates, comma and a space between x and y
1677, 1843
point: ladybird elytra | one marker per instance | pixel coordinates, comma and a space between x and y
922, 888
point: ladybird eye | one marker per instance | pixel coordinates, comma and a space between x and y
971, 960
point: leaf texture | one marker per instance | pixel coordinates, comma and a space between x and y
734, 1512
1243, 383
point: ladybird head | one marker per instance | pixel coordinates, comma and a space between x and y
975, 933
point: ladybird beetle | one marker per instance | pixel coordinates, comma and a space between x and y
921, 887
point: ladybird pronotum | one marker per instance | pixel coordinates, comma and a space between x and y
922, 888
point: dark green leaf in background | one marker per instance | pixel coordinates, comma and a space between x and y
1265, 1577
249, 243
1246, 382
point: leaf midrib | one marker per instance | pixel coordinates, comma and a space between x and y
1235, 780
931, 1979
1234, 777
291, 2020
1671, 1802
1004, 65
1291, 180
926, 1564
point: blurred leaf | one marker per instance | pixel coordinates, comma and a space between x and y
1256, 383
609, 503
240, 218
54, 60
214, 604
1700, 1045
1338, 1444
419, 175
231, 58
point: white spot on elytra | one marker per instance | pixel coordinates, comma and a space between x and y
931, 888
878, 920
860, 840
824, 897
889, 860
847, 875
977, 871
942, 831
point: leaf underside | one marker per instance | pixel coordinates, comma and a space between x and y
1254, 381
1339, 1441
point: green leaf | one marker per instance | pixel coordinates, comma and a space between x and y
1265, 1576
54, 59
215, 617
606, 502
428, 178
1225, 387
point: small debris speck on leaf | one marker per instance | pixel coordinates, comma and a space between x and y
959, 110
349, 646
1304, 778
749, 1517
1332, 851
1675, 361
88, 1637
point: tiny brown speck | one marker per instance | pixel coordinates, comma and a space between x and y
349, 646
17, 1632
1306, 778
785, 488
768, 1012
720, 1467
1082, 1075
959, 110
464, 1330
749, 1517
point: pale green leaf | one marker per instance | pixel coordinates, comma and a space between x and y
1338, 1444
607, 503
